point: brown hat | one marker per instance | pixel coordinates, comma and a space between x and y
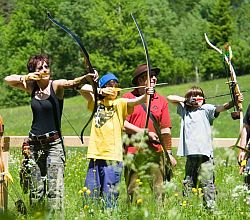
143, 68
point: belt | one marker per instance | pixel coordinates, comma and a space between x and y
44, 139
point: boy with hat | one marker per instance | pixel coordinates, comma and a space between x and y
105, 149
159, 128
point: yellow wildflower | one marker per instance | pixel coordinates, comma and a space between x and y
176, 194
84, 189
88, 192
194, 190
184, 203
243, 163
139, 201
80, 192
137, 181
85, 207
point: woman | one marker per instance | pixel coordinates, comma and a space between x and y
46, 151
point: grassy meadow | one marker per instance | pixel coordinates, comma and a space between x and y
232, 197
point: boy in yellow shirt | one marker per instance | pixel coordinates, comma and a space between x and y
105, 149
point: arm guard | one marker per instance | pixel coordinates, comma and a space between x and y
167, 141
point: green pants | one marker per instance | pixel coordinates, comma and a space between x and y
47, 174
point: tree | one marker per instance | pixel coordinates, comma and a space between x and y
220, 21
21, 37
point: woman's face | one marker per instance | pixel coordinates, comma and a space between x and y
43, 70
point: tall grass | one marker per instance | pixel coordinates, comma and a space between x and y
231, 198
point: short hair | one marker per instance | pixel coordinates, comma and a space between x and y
195, 91
34, 60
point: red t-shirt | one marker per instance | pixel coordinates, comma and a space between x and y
159, 108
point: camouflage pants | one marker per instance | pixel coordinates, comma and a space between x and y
47, 174
199, 173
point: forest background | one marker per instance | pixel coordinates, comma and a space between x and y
174, 31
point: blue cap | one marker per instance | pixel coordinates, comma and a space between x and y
106, 78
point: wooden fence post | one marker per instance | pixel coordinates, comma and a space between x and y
4, 155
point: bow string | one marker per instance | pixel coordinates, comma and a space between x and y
87, 63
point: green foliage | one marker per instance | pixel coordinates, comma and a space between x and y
240, 40
220, 21
174, 32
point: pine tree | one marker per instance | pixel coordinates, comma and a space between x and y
220, 21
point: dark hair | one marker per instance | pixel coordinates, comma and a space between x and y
195, 91
34, 60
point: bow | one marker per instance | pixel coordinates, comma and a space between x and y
233, 85
88, 66
5, 176
149, 98
149, 68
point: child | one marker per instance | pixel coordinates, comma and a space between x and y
105, 149
196, 141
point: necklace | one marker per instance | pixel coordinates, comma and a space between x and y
42, 94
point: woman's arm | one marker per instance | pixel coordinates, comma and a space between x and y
77, 83
19, 82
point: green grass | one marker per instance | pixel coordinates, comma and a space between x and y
18, 119
230, 204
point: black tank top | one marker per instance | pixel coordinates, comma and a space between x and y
46, 113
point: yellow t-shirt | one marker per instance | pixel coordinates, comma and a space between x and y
106, 131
